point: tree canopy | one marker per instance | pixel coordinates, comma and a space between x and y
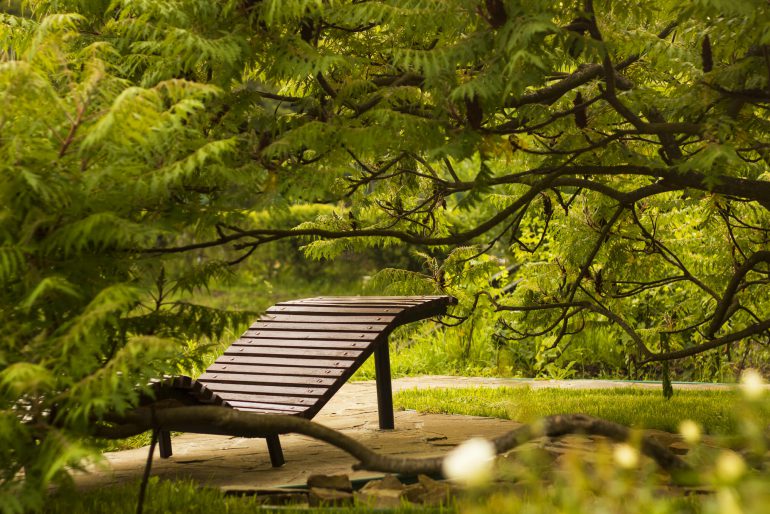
614, 156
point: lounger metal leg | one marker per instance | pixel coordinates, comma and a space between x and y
384, 390
164, 444
276, 453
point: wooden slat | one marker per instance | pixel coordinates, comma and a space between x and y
363, 302
267, 411
283, 361
393, 299
308, 353
280, 390
370, 304
265, 398
325, 318
254, 378
298, 335
296, 371
376, 309
307, 343
293, 409
336, 311
318, 327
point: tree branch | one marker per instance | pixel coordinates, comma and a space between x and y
552, 93
752, 330
225, 421
462, 237
720, 314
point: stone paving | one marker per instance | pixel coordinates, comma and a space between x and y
241, 463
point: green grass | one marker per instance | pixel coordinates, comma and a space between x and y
129, 443
186, 496
717, 412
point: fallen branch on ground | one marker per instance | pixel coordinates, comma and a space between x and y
223, 421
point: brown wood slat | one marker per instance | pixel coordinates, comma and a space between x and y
283, 361
321, 335
253, 378
267, 411
302, 401
371, 304
325, 318
278, 390
360, 302
307, 343
319, 327
292, 409
390, 299
308, 353
295, 371
334, 310
354, 303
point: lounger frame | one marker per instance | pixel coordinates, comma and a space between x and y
299, 353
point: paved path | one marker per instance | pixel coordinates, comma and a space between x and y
241, 463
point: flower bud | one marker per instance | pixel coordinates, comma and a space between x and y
471, 462
728, 501
626, 456
690, 431
752, 384
730, 466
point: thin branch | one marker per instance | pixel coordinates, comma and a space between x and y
749, 331
552, 93
720, 314
406, 237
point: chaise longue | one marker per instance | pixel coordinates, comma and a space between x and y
299, 353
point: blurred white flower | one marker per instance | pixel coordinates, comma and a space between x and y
471, 462
626, 456
752, 384
730, 466
690, 431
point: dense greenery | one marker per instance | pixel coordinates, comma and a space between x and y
612, 157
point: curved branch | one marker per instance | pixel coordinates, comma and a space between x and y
752, 330
550, 94
721, 312
753, 190
670, 178
594, 251
462, 237
607, 313
224, 421
597, 308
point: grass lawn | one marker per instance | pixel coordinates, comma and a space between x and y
717, 412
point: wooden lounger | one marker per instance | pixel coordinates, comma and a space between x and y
299, 353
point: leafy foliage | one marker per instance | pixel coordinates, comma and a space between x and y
92, 169
614, 158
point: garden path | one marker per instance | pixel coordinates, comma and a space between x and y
242, 464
